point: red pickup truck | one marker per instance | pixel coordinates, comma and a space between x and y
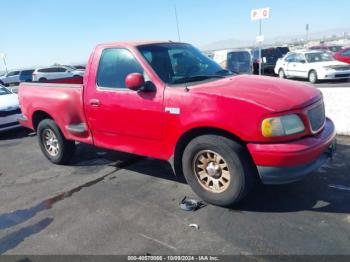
169, 101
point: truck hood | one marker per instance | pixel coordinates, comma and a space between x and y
276, 95
9, 102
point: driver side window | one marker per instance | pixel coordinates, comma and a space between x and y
115, 64
299, 58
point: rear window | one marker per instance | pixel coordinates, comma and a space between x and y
271, 55
53, 70
242, 56
283, 50
44, 70
79, 67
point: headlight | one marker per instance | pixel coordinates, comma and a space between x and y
282, 126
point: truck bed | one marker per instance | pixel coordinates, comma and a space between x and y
61, 102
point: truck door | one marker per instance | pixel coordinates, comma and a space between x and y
118, 117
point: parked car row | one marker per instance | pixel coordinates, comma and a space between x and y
41, 74
246, 61
322, 62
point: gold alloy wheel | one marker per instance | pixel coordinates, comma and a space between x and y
50, 142
211, 171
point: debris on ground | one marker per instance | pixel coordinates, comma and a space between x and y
188, 204
194, 226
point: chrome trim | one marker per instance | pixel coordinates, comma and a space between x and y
309, 121
39, 84
113, 89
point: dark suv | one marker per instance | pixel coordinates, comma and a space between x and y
269, 57
26, 75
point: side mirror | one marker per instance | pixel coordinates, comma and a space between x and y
134, 81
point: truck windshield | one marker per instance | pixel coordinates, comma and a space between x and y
4, 91
177, 63
318, 57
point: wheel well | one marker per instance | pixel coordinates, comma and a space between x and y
311, 71
193, 133
38, 116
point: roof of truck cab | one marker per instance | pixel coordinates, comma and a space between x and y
136, 43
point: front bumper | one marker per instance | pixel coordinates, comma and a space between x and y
287, 162
333, 75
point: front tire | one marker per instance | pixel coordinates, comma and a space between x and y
219, 170
53, 144
313, 77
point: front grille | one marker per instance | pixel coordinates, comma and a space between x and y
342, 68
342, 75
10, 112
317, 117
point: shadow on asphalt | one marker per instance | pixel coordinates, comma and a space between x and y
313, 193
12, 240
17, 133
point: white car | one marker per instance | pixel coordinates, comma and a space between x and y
56, 72
9, 109
10, 78
312, 65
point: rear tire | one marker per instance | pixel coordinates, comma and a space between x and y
281, 73
313, 77
219, 170
42, 79
53, 144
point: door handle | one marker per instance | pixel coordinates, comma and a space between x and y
95, 102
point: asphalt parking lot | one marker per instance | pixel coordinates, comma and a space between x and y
113, 203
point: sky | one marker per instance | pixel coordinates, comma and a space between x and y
43, 32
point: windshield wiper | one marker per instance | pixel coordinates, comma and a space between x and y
195, 78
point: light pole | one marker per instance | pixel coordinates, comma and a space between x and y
259, 14
260, 42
